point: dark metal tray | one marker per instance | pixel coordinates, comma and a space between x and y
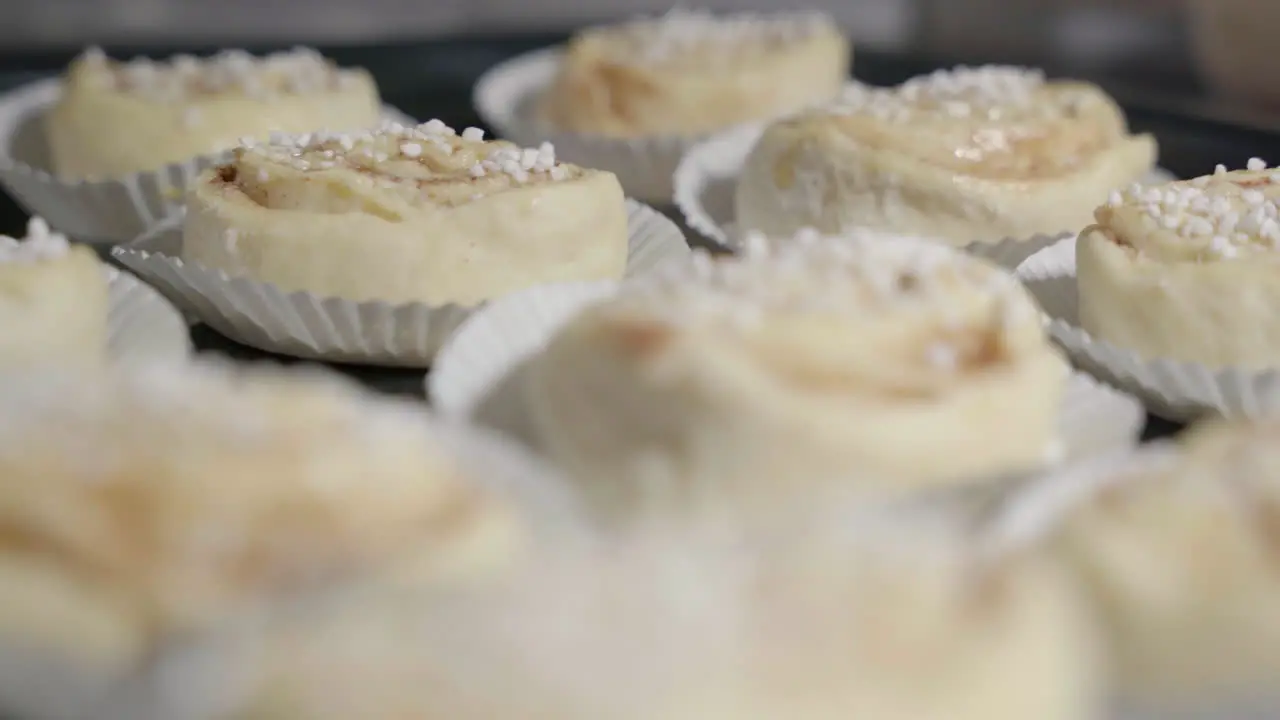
433, 79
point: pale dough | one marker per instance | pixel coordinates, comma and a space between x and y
54, 303
159, 500
1187, 271
115, 119
692, 73
893, 364
671, 625
1181, 561
418, 214
965, 155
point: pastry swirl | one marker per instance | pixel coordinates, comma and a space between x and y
689, 72
160, 499
801, 359
964, 155
1182, 561
118, 118
1187, 270
53, 302
677, 627
406, 214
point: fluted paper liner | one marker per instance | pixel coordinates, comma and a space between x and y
301, 324
1032, 512
112, 210
141, 325
707, 177
506, 99
478, 372
705, 181
1170, 388
39, 683
1244, 710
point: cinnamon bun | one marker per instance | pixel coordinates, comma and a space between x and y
406, 214
1187, 270
1180, 557
53, 302
688, 73
964, 155
118, 118
158, 499
898, 361
677, 627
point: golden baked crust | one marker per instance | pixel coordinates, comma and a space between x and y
158, 499
1187, 270
117, 118
689, 73
727, 379
406, 214
970, 154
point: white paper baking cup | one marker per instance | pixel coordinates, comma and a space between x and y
45, 685
141, 325
477, 373
1033, 511
707, 176
104, 211
301, 324
705, 181
1254, 710
506, 98
1171, 389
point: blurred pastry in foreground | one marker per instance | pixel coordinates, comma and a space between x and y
151, 502
900, 362
672, 626
1183, 560
117, 118
53, 302
964, 155
1188, 270
406, 214
687, 73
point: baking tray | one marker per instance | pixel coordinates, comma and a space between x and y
433, 79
